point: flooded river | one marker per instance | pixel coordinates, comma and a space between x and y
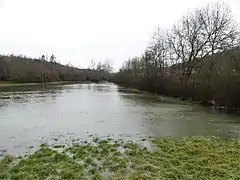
30, 116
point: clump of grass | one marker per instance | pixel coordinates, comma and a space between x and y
188, 158
59, 146
43, 145
43, 164
5, 165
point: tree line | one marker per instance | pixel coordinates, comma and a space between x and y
198, 59
22, 69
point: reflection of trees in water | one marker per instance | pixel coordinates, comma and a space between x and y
178, 120
26, 94
100, 87
128, 91
138, 97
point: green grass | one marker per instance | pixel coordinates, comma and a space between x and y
189, 158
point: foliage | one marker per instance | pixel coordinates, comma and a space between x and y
197, 59
21, 69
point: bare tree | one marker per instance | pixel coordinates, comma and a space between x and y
46, 57
135, 66
107, 66
69, 64
187, 42
92, 65
220, 29
202, 34
158, 48
126, 65
99, 66
52, 58
42, 58
146, 63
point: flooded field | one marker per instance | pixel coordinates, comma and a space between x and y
30, 116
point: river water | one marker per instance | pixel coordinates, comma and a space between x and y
30, 116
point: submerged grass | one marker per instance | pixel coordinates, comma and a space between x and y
189, 158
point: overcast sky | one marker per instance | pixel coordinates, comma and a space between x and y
77, 31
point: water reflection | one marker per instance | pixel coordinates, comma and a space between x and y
100, 87
22, 95
168, 118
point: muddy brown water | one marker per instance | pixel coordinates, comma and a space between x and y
30, 116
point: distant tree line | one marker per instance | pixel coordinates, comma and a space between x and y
197, 59
22, 69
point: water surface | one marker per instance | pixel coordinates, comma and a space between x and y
33, 115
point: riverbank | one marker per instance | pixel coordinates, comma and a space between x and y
189, 158
162, 98
180, 100
10, 84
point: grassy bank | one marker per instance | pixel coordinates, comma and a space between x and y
190, 158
